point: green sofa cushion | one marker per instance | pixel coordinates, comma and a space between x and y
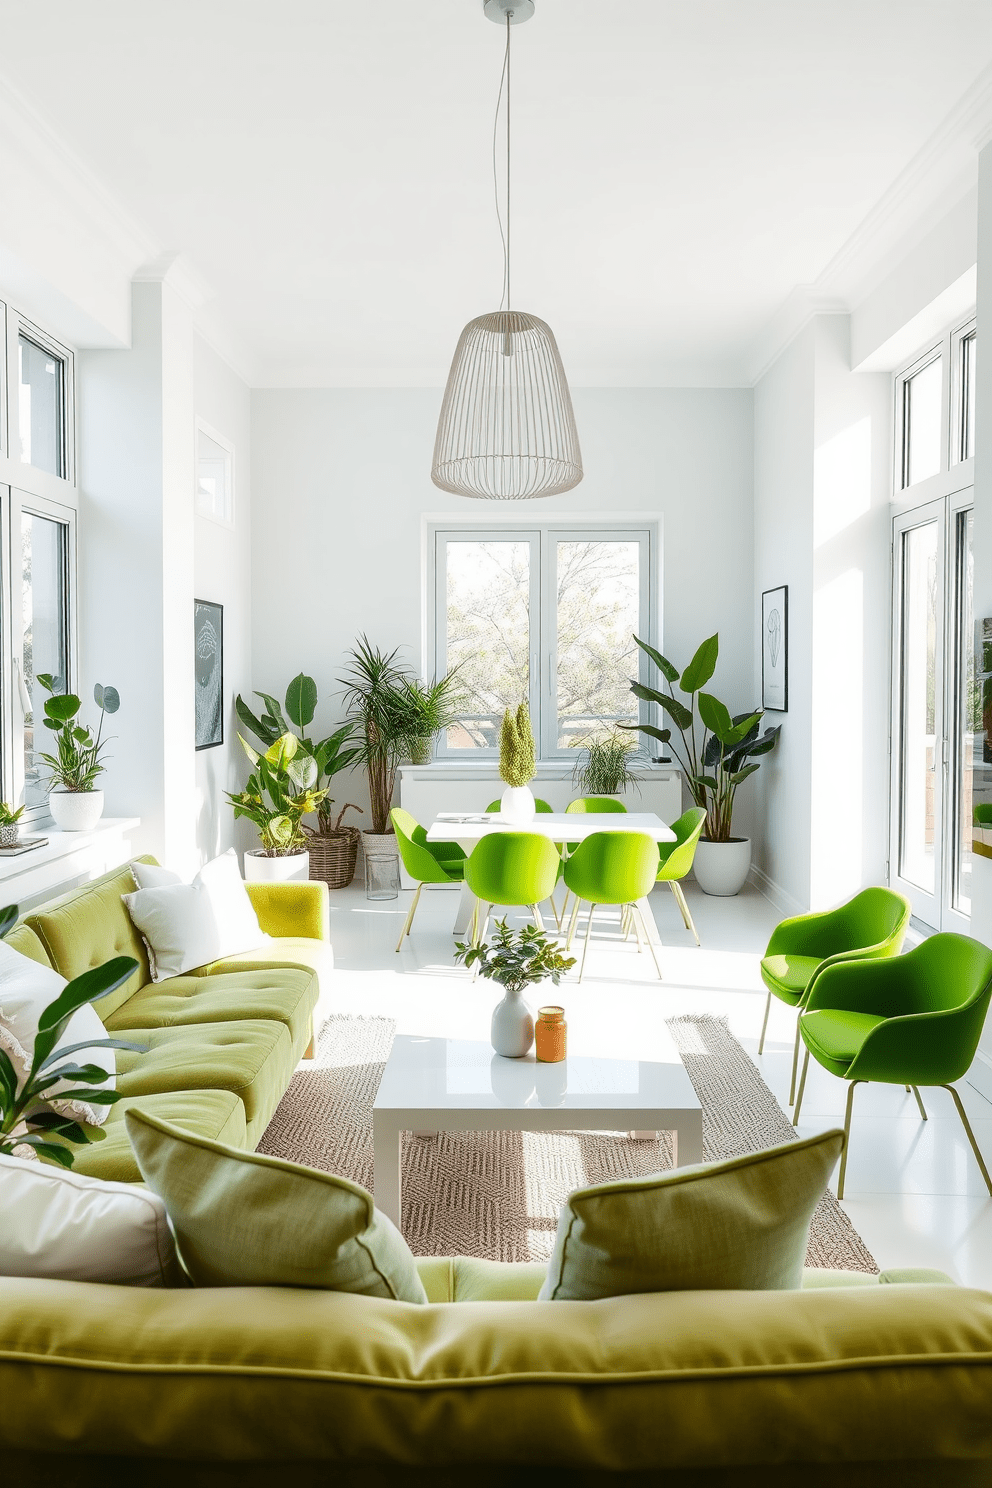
212, 1113
253, 1057
22, 938
282, 995
741, 1224
298, 950
242, 1218
89, 926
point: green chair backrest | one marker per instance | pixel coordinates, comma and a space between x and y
513, 868
411, 841
541, 807
676, 857
612, 867
595, 804
873, 922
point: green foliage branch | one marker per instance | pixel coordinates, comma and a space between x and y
605, 769
517, 752
376, 686
77, 763
8, 816
516, 958
281, 790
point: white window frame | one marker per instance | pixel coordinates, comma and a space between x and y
24, 487
954, 472
543, 536
201, 426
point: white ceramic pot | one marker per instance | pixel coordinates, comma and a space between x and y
721, 868
260, 869
516, 804
75, 811
512, 1030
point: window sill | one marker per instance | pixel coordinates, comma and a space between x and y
66, 858
489, 770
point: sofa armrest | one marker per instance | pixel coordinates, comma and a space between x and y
292, 909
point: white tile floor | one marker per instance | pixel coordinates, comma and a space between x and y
914, 1190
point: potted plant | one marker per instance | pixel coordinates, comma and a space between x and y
73, 800
431, 707
27, 1120
717, 753
280, 792
8, 824
517, 765
605, 770
375, 692
333, 848
515, 959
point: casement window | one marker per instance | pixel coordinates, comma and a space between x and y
542, 613
37, 546
935, 411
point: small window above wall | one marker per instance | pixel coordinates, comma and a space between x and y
921, 422
965, 365
41, 405
214, 475
935, 416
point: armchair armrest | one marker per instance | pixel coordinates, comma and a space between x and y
292, 909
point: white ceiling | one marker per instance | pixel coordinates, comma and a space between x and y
325, 166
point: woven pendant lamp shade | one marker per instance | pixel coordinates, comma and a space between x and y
506, 431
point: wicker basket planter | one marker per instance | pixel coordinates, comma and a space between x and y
333, 856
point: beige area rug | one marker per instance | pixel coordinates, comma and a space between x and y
497, 1194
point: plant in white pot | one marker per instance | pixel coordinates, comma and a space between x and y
73, 799
606, 769
717, 753
515, 959
431, 708
280, 792
517, 765
375, 692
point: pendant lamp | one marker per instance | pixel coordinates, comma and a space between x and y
507, 430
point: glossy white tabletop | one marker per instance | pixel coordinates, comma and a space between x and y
450, 826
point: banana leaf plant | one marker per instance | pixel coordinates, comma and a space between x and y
331, 755
281, 790
25, 1118
717, 750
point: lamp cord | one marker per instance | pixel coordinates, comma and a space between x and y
504, 236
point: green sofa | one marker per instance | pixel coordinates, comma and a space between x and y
220, 1044
846, 1382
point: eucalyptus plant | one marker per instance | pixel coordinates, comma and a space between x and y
717, 752
77, 762
280, 792
26, 1118
516, 958
331, 755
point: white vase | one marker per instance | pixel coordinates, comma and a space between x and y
721, 868
516, 804
75, 811
512, 1029
260, 869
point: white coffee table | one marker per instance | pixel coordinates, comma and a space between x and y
437, 1084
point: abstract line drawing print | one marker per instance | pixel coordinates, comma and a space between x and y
208, 633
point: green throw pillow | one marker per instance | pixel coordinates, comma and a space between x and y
245, 1220
742, 1225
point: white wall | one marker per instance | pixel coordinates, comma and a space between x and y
222, 573
981, 903
341, 483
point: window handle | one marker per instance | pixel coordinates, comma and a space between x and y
22, 692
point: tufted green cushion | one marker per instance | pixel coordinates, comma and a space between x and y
281, 994
89, 926
213, 1113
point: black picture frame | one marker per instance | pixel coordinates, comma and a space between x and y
208, 673
775, 649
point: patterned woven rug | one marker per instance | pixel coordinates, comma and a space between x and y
497, 1194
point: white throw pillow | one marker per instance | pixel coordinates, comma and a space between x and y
26, 989
152, 876
66, 1226
187, 925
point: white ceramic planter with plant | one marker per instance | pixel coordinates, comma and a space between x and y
9, 828
605, 768
517, 766
264, 867
281, 790
717, 753
74, 801
515, 960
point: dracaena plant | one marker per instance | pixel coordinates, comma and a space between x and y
281, 790
717, 751
331, 755
26, 1118
76, 763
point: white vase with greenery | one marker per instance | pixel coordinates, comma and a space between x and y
515, 959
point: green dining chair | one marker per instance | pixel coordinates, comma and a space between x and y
541, 807
911, 1020
426, 862
601, 805
513, 869
870, 926
676, 858
612, 868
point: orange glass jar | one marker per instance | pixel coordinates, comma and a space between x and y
550, 1033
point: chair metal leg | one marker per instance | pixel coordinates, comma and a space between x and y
847, 1137
572, 923
538, 919
651, 945
764, 1025
802, 1088
971, 1136
585, 943
634, 920
409, 919
683, 905
795, 1065
919, 1102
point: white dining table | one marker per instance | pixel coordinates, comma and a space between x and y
468, 828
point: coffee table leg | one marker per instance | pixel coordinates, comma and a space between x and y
687, 1142
386, 1157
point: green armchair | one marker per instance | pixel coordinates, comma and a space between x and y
427, 862
913, 1020
870, 926
676, 858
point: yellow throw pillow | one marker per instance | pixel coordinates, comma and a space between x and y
245, 1220
741, 1225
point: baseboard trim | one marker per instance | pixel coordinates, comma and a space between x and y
979, 1077
774, 893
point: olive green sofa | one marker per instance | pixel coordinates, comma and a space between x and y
846, 1382
220, 1044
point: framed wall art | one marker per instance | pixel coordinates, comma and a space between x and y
775, 649
208, 638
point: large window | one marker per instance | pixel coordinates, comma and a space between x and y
935, 413
545, 614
